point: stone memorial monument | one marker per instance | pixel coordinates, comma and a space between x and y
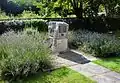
58, 35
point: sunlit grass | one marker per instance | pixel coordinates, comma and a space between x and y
112, 63
62, 75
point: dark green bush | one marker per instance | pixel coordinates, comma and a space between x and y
19, 25
101, 45
40, 25
99, 24
22, 55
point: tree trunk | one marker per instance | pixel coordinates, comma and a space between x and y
79, 11
107, 11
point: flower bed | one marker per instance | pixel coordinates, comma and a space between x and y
102, 45
22, 54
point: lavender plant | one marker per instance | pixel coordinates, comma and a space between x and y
95, 43
23, 54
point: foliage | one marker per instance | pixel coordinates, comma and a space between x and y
7, 25
62, 7
101, 8
45, 6
3, 15
62, 75
23, 54
65, 7
102, 45
110, 6
18, 25
22, 2
80, 8
112, 63
28, 14
40, 25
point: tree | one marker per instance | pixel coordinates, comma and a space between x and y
61, 7
77, 8
70, 6
110, 6
45, 6
80, 8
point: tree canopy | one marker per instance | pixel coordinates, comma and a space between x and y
80, 8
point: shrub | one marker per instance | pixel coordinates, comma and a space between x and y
99, 24
23, 54
28, 14
40, 25
3, 15
18, 25
97, 44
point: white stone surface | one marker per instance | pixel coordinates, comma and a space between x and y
58, 32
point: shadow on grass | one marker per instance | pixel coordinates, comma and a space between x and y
46, 77
61, 75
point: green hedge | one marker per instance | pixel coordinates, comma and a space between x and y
40, 25
99, 24
23, 54
19, 25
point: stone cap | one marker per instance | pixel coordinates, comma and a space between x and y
57, 22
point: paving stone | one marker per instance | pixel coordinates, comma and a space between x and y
98, 73
89, 57
74, 57
104, 79
94, 71
113, 75
79, 68
65, 62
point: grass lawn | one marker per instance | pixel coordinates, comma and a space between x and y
62, 75
112, 63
